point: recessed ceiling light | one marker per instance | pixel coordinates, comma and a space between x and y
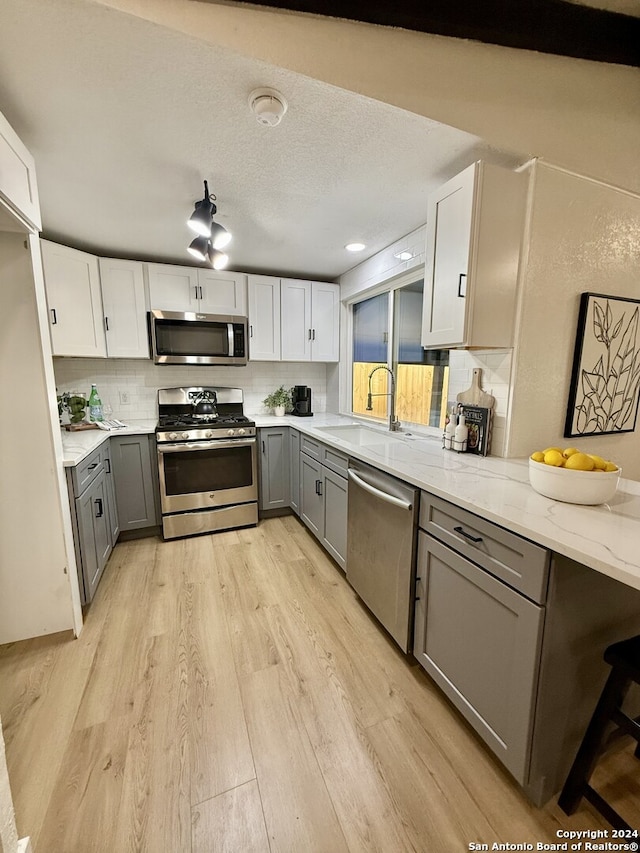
354, 247
404, 256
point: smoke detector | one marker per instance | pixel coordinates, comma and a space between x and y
268, 105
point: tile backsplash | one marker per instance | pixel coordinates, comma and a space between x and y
495, 379
138, 381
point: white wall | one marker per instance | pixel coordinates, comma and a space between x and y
141, 379
583, 236
35, 594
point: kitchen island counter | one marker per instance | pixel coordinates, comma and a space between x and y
605, 538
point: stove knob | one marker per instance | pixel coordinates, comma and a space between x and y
208, 433
231, 432
240, 431
173, 436
185, 435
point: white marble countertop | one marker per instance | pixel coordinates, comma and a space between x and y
605, 538
78, 445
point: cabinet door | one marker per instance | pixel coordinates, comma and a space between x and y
112, 507
274, 468
449, 221
135, 485
297, 331
480, 642
311, 501
222, 292
123, 303
173, 288
18, 176
264, 318
72, 282
325, 321
294, 470
93, 530
335, 515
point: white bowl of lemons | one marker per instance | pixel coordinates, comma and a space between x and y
573, 476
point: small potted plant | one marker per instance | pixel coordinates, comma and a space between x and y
279, 400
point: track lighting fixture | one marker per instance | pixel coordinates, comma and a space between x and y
212, 237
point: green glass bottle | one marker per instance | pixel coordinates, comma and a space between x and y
95, 405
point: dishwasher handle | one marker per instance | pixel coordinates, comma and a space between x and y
377, 493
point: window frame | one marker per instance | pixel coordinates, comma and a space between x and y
389, 286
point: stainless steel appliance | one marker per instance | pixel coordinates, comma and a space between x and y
301, 400
179, 337
381, 547
207, 461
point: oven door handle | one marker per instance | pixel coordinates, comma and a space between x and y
204, 445
230, 339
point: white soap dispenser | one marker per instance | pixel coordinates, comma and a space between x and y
460, 435
449, 430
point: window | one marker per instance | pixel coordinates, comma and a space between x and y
386, 333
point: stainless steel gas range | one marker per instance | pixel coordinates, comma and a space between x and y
207, 461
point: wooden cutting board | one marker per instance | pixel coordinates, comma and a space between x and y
475, 396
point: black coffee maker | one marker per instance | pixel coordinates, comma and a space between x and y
301, 398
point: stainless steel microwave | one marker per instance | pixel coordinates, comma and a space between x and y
189, 338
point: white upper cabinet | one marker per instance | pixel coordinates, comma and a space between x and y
474, 228
325, 321
310, 320
222, 292
174, 288
72, 282
123, 303
18, 187
264, 318
295, 307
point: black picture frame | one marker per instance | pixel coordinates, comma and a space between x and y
605, 377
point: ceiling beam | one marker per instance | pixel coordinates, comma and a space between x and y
548, 26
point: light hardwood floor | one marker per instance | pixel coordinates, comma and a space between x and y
230, 694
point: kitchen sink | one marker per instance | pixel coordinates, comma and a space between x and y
361, 435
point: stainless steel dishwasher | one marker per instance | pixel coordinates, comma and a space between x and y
381, 547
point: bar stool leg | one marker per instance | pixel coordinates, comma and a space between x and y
611, 697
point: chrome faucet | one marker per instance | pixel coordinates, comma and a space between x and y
394, 423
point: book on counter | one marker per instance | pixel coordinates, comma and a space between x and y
478, 420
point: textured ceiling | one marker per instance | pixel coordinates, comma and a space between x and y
126, 119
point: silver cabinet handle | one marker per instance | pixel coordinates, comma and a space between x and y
390, 499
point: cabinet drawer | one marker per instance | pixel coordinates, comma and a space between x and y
310, 447
516, 561
337, 462
87, 470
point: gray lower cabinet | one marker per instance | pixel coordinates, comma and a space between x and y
273, 443
92, 514
480, 642
114, 524
135, 475
294, 470
323, 496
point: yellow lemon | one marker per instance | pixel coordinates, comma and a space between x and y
580, 462
554, 457
549, 449
538, 456
598, 461
569, 451
610, 466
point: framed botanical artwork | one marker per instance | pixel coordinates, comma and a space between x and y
605, 380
